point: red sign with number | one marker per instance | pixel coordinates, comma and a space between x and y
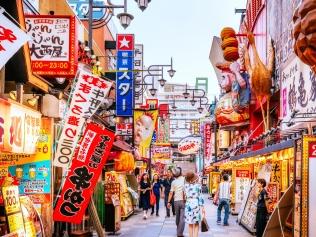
85, 170
312, 150
242, 173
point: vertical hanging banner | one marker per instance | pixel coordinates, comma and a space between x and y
144, 126
125, 75
87, 96
85, 170
207, 144
11, 39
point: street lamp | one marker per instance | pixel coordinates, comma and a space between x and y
171, 71
193, 102
200, 109
162, 82
125, 19
142, 4
153, 91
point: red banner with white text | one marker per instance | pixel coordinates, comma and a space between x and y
85, 170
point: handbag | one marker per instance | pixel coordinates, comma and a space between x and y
204, 225
152, 198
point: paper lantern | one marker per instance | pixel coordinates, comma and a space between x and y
230, 42
231, 54
227, 32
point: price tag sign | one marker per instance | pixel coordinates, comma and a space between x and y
16, 223
11, 199
312, 150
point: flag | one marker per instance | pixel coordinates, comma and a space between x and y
11, 39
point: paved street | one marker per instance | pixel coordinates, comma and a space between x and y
154, 226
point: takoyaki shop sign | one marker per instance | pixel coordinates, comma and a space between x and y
189, 145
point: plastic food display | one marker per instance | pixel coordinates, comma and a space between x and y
304, 33
229, 44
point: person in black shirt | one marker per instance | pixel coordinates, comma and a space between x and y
262, 212
167, 186
144, 190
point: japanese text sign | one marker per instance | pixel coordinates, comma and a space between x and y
53, 48
88, 94
19, 128
85, 170
242, 173
81, 8
207, 142
189, 145
124, 129
312, 150
11, 39
125, 75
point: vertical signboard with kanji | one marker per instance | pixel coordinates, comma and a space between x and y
207, 144
85, 170
87, 95
125, 75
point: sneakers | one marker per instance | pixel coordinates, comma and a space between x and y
226, 224
145, 217
218, 222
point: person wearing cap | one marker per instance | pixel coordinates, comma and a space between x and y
177, 192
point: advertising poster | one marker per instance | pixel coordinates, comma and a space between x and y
273, 190
144, 126
161, 151
34, 178
248, 218
13, 209
189, 145
84, 173
53, 48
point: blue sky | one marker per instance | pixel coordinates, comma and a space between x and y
184, 30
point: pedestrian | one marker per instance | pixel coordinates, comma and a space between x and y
157, 189
194, 205
224, 190
177, 192
144, 189
262, 212
167, 186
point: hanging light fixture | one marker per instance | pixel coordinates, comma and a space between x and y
171, 71
193, 102
162, 82
142, 4
200, 109
153, 91
125, 19
32, 101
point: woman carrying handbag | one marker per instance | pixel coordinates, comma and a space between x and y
194, 205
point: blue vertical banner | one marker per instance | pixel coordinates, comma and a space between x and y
125, 75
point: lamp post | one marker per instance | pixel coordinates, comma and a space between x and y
196, 93
153, 71
124, 17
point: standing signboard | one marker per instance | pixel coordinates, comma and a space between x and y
53, 48
125, 75
207, 144
84, 173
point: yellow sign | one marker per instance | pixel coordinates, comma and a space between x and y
144, 126
3, 171
15, 222
11, 199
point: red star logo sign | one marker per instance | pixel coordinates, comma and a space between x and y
125, 42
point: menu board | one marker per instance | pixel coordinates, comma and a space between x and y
242, 182
273, 191
248, 218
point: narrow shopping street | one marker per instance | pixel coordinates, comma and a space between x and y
160, 226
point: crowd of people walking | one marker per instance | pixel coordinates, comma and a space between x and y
183, 198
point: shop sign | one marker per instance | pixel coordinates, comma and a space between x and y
124, 129
138, 62
242, 182
34, 178
13, 209
81, 8
242, 174
189, 145
19, 128
11, 39
207, 144
84, 173
273, 191
159, 152
276, 172
125, 75
298, 90
53, 46
87, 95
